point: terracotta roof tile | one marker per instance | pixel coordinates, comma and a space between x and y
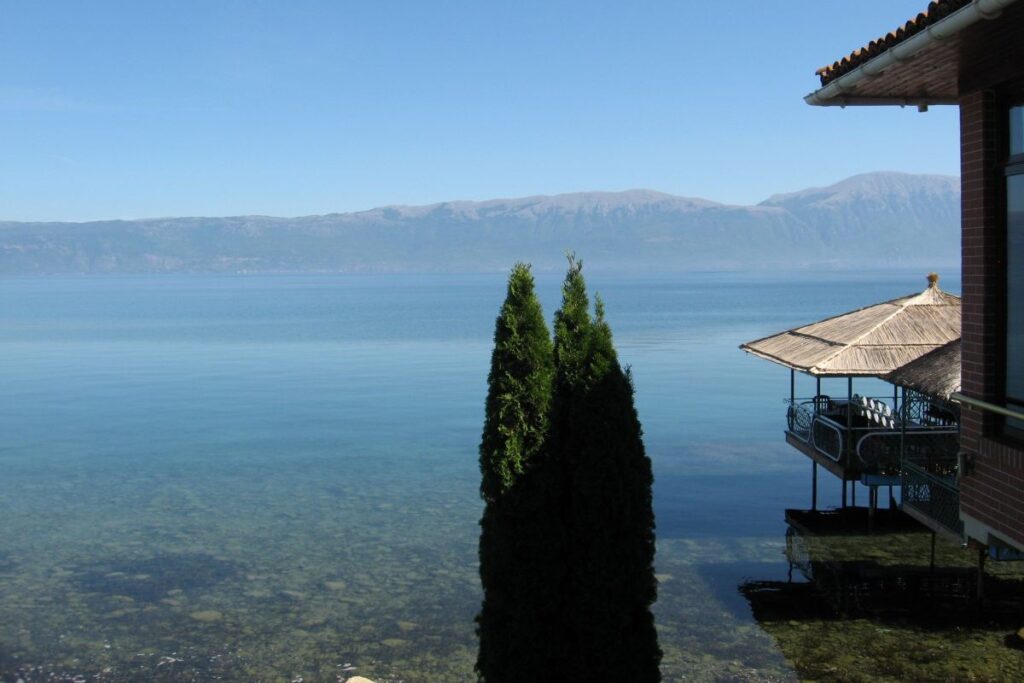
937, 10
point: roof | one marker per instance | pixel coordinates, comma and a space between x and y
871, 341
936, 11
951, 48
937, 373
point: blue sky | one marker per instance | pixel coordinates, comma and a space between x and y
145, 108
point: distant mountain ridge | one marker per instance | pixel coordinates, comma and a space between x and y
867, 221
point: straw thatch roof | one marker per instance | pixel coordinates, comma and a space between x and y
936, 373
870, 341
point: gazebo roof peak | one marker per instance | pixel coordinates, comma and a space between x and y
869, 341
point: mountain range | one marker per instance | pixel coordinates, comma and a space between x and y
868, 221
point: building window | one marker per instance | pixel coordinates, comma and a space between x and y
1015, 271
1016, 131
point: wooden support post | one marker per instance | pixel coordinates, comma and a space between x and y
814, 486
844, 494
872, 504
931, 567
904, 417
980, 594
853, 493
850, 442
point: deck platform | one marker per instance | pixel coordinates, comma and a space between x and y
853, 520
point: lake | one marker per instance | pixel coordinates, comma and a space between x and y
275, 477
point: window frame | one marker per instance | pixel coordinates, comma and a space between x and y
1013, 167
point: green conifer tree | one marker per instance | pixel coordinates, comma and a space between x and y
609, 586
567, 538
514, 539
518, 387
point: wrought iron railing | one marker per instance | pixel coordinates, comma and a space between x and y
870, 435
933, 451
929, 411
828, 438
883, 452
934, 496
879, 452
799, 417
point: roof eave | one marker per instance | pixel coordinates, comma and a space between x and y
812, 370
867, 101
837, 92
773, 359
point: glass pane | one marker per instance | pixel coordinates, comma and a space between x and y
1015, 292
1017, 130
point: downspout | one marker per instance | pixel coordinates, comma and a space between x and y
832, 94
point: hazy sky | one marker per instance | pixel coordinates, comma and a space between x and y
147, 108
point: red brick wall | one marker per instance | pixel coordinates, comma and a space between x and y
993, 493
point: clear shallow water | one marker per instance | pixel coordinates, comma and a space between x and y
260, 478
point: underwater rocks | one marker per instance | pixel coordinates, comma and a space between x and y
154, 578
207, 616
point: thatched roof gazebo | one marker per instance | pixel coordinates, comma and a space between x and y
869, 341
862, 438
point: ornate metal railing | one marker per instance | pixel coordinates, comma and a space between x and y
828, 438
932, 495
883, 452
933, 451
928, 411
879, 452
799, 417
867, 434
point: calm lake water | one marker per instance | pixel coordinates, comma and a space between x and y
274, 477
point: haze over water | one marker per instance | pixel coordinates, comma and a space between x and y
267, 477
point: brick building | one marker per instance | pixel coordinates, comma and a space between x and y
970, 53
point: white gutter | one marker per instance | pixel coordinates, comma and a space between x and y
832, 94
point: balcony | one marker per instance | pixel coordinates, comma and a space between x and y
870, 439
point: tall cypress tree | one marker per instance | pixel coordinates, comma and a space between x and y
518, 387
609, 584
567, 538
514, 539
572, 340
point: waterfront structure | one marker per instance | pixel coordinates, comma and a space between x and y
866, 438
970, 53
